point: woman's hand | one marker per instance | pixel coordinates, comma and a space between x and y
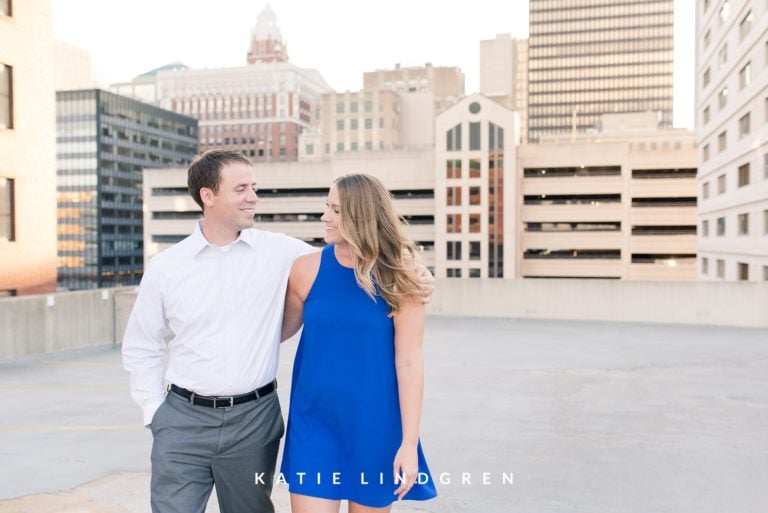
406, 469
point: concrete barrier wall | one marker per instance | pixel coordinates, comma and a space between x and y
743, 304
48, 323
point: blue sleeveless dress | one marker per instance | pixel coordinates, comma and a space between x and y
344, 425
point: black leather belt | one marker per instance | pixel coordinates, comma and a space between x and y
226, 401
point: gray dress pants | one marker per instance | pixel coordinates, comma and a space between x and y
195, 447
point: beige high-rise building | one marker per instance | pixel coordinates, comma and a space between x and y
446, 83
617, 204
731, 114
592, 57
292, 197
504, 74
28, 149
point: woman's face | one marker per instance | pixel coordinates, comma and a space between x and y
332, 217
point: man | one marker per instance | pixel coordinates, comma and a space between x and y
219, 294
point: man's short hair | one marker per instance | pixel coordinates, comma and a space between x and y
205, 171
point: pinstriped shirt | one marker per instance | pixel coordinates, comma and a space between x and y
220, 311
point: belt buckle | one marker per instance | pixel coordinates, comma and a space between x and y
217, 399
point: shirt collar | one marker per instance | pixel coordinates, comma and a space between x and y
199, 242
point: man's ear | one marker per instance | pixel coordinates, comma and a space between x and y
207, 195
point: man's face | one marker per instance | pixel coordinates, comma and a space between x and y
234, 203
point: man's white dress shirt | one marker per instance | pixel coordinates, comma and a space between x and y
221, 309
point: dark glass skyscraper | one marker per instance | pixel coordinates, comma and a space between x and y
103, 142
593, 57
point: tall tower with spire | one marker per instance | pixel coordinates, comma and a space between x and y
267, 44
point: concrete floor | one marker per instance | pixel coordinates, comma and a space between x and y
588, 417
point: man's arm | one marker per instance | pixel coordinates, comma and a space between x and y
144, 347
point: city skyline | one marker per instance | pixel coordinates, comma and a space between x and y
394, 38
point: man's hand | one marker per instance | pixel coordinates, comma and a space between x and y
427, 283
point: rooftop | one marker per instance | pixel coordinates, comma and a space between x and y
588, 417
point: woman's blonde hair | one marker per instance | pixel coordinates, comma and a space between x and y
384, 258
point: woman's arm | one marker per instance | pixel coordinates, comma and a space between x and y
303, 273
409, 365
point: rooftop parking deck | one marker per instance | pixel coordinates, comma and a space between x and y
588, 417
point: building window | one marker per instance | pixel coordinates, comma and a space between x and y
474, 197
340, 146
353, 107
453, 250
705, 266
743, 271
453, 138
705, 190
745, 25
474, 250
765, 273
705, 228
705, 79
474, 136
353, 146
453, 273
474, 273
368, 145
5, 7
353, 124
722, 98
743, 224
381, 123
310, 149
744, 123
722, 142
745, 76
722, 56
368, 106
453, 223
721, 269
721, 184
707, 38
765, 165
765, 222
282, 152
327, 147
7, 221
705, 153
705, 116
725, 11
744, 174
339, 124
474, 168
453, 169
340, 108
474, 223
6, 96
368, 123
720, 226
453, 196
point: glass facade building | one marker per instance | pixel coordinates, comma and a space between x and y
593, 57
103, 143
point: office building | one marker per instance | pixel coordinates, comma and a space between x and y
731, 115
104, 143
27, 149
592, 57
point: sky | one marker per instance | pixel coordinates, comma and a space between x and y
340, 38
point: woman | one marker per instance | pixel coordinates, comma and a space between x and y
355, 405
